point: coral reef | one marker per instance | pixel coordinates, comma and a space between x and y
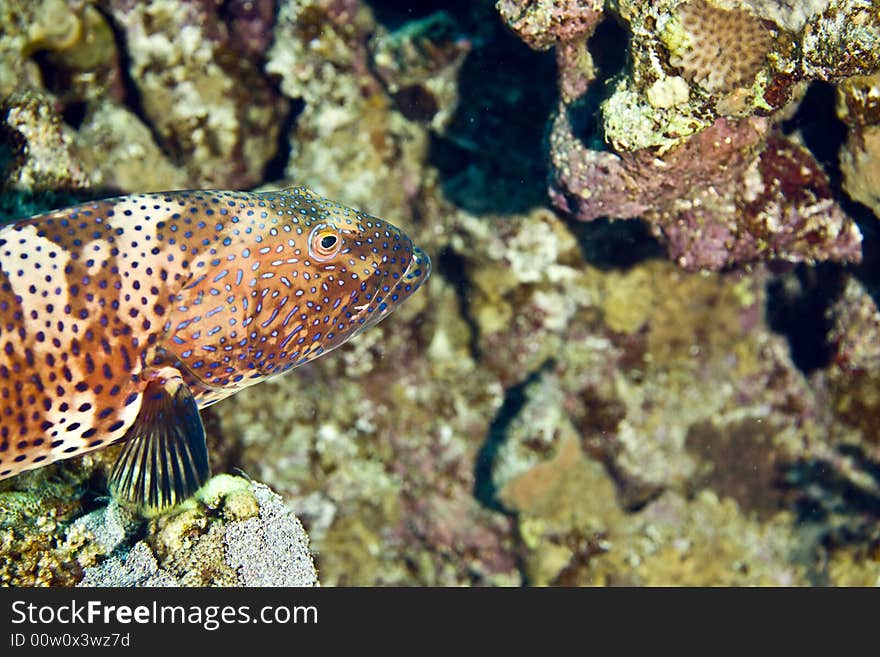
690, 130
741, 43
321, 55
42, 151
546, 23
577, 535
855, 373
559, 404
215, 113
636, 362
67, 46
419, 64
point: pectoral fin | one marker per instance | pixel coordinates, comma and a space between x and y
165, 458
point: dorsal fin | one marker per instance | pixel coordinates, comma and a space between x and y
165, 458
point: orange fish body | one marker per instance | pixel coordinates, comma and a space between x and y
120, 318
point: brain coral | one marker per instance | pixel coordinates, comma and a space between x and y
719, 49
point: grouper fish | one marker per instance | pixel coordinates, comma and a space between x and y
121, 318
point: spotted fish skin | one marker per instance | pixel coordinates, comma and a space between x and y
220, 289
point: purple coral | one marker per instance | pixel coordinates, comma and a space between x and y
546, 23
590, 184
722, 197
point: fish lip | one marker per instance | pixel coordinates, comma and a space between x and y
419, 265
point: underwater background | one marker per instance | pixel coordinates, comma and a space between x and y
649, 351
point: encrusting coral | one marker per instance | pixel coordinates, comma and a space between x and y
239, 534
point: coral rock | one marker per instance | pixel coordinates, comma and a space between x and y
419, 64
691, 143
545, 23
240, 534
859, 107
716, 200
215, 112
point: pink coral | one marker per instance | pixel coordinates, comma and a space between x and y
545, 23
722, 197
592, 184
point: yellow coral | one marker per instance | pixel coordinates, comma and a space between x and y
719, 49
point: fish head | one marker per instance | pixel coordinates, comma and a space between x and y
349, 271
304, 278
375, 269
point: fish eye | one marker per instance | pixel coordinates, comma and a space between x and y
324, 242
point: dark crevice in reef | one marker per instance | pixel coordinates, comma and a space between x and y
514, 400
607, 243
275, 168
394, 14
585, 119
484, 488
57, 80
842, 511
822, 132
868, 271
74, 113
492, 157
609, 47
798, 301
452, 268
797, 305
616, 244
16, 203
12, 144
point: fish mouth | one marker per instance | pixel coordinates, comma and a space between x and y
416, 273
418, 270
